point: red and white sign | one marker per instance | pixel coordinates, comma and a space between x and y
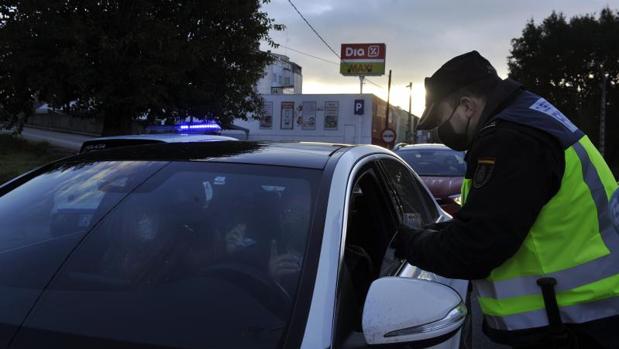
363, 51
388, 135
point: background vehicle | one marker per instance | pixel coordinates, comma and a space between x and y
128, 140
441, 169
222, 244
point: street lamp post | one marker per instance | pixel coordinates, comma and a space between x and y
410, 135
388, 96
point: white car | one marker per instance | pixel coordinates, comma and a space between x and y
220, 245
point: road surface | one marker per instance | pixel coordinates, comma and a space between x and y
63, 140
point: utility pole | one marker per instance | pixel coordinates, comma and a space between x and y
603, 114
388, 95
361, 82
410, 136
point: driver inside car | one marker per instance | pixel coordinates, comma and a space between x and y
136, 232
144, 251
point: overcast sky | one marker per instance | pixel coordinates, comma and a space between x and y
420, 35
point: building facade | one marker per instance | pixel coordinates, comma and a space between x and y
334, 118
281, 77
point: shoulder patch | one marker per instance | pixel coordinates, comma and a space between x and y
483, 172
543, 106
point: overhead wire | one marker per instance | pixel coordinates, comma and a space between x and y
309, 55
373, 83
313, 29
323, 41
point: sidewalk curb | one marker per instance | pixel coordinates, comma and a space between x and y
62, 130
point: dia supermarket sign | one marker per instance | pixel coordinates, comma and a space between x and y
363, 59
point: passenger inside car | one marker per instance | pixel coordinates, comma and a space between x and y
271, 241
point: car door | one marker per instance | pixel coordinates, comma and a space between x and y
384, 194
371, 222
337, 298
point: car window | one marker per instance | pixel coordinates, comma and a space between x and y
43, 219
201, 254
435, 162
416, 206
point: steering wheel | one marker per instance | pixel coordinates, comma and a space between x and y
261, 286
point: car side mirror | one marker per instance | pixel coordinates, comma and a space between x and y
419, 312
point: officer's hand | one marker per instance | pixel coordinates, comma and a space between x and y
402, 240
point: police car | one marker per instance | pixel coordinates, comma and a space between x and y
226, 244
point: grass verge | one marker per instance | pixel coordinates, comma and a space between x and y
18, 155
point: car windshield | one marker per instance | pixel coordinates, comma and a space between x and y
435, 162
197, 253
43, 219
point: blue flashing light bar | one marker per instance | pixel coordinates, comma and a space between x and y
207, 126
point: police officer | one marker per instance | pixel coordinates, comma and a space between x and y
535, 233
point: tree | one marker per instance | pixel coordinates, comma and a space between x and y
566, 62
120, 59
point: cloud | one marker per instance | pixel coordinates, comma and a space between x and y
420, 34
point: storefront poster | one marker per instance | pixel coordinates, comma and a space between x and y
308, 116
331, 115
287, 116
266, 120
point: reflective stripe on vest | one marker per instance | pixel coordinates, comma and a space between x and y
573, 314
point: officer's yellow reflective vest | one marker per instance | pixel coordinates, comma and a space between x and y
572, 240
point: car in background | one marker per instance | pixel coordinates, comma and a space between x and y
441, 169
128, 140
220, 245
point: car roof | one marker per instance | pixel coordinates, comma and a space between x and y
424, 146
300, 154
168, 137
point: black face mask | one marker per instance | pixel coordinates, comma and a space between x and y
456, 139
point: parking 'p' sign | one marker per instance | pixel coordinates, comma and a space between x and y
359, 106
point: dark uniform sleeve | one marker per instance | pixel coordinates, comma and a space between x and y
522, 170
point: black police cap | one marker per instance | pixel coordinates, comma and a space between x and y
457, 73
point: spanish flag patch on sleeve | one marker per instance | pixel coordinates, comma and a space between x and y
483, 172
